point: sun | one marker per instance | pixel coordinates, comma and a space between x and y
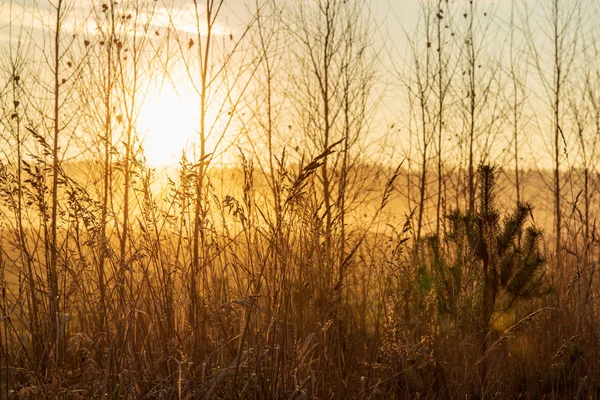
168, 123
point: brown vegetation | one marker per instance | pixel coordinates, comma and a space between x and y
310, 269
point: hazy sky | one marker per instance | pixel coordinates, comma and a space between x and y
394, 20
393, 16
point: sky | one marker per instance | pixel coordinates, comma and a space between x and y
395, 22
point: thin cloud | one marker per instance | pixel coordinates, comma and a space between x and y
80, 19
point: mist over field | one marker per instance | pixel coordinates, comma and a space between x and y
303, 199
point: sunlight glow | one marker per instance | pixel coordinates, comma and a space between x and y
168, 124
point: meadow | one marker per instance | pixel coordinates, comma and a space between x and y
282, 200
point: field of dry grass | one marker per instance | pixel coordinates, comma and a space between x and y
352, 208
279, 317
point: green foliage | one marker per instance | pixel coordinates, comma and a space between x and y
484, 259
